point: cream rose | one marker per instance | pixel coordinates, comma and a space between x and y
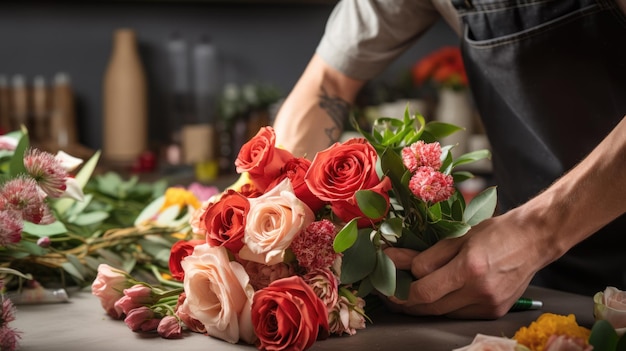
218, 294
611, 306
273, 221
483, 342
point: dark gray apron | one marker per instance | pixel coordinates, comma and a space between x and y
549, 79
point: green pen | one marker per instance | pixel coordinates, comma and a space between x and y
525, 304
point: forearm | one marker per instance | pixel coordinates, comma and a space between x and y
581, 202
312, 116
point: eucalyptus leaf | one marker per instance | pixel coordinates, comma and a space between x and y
77, 264
471, 157
150, 210
391, 227
5, 270
359, 260
447, 229
403, 284
16, 165
93, 262
42, 230
372, 204
71, 269
461, 176
365, 287
481, 207
91, 218
621, 343
440, 129
346, 237
603, 336
384, 275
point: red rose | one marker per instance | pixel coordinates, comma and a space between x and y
288, 315
338, 172
295, 169
180, 250
225, 221
347, 210
261, 158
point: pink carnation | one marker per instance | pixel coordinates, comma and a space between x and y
261, 275
420, 154
431, 185
314, 246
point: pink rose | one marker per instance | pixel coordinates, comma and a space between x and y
295, 169
169, 328
274, 219
483, 342
218, 294
261, 158
225, 220
108, 287
287, 315
142, 319
611, 306
182, 312
566, 343
136, 296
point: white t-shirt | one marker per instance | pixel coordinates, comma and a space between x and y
363, 36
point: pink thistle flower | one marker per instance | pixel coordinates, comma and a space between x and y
47, 172
420, 154
431, 185
8, 312
314, 246
23, 195
11, 226
9, 338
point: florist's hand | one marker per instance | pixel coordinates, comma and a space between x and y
479, 275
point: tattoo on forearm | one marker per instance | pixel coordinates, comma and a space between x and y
338, 110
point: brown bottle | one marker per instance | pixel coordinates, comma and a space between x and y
125, 101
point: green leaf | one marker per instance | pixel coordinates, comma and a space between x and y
471, 157
447, 229
359, 260
346, 237
440, 129
42, 230
481, 207
391, 227
365, 287
5, 270
150, 210
384, 275
77, 264
91, 218
621, 343
69, 268
461, 176
372, 204
403, 284
16, 165
603, 336
435, 213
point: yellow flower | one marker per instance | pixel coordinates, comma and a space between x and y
180, 197
537, 334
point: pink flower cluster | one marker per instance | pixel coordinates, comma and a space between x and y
142, 308
427, 182
9, 336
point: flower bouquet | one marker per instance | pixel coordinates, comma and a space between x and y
286, 255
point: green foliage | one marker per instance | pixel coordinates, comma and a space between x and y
411, 222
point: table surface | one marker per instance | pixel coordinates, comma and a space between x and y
82, 324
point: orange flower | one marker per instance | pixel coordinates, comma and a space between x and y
444, 67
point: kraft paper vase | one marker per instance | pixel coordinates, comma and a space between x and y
455, 107
125, 101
